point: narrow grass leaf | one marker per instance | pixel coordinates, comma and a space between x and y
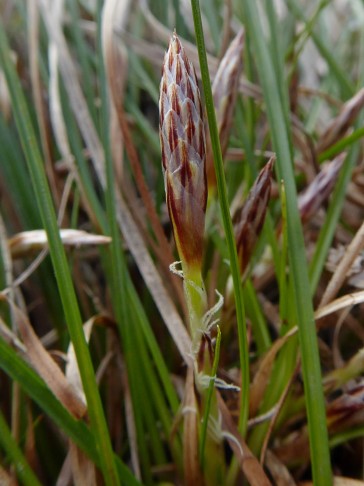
228, 227
321, 468
60, 264
15, 456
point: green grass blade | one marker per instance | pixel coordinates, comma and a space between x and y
225, 210
60, 265
341, 145
276, 51
210, 391
319, 449
154, 350
16, 368
255, 314
118, 278
15, 455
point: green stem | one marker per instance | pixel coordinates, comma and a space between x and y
225, 210
196, 300
209, 397
341, 145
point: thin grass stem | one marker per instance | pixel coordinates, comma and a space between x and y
205, 421
228, 227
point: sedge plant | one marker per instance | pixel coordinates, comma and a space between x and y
183, 146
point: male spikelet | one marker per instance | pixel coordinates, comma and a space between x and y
182, 140
250, 221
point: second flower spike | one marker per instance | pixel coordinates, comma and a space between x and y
183, 153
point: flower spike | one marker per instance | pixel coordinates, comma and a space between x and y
182, 140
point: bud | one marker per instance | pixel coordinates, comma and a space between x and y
182, 140
251, 219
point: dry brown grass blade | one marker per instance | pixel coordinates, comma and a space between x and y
247, 461
65, 474
58, 122
340, 125
338, 481
72, 372
6, 256
225, 87
278, 470
78, 469
225, 91
27, 242
114, 61
347, 411
164, 252
162, 248
55, 107
295, 449
45, 365
154, 53
115, 14
226, 28
8, 334
347, 300
37, 89
83, 469
130, 425
5, 102
192, 471
262, 376
129, 229
6, 478
30, 448
154, 282
277, 409
11, 338
340, 274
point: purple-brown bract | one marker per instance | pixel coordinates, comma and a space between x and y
251, 219
182, 140
320, 188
